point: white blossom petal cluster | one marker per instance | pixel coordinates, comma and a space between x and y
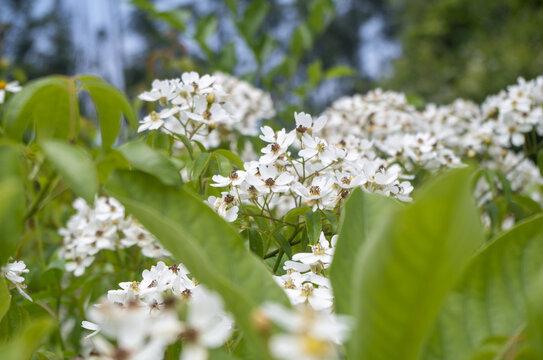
103, 226
5, 87
304, 282
320, 176
308, 334
250, 105
398, 131
439, 136
140, 317
206, 108
13, 271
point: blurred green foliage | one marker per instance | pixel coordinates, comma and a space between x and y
466, 48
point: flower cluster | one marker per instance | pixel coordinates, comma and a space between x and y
310, 334
142, 319
250, 105
13, 271
207, 109
103, 226
438, 136
304, 282
320, 176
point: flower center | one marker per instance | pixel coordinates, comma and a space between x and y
275, 147
190, 335
307, 290
314, 347
289, 284
154, 116
269, 182
315, 190
135, 286
2, 85
318, 249
301, 129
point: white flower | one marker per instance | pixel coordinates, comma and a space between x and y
274, 150
321, 252
310, 335
79, 264
319, 149
269, 179
304, 122
207, 325
12, 272
155, 120
224, 206
90, 326
197, 84
234, 179
163, 91
12, 87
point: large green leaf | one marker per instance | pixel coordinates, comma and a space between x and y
50, 103
110, 103
210, 247
361, 214
405, 270
535, 314
23, 345
5, 297
145, 158
12, 202
75, 165
490, 299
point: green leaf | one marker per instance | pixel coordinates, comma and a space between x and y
223, 163
319, 14
176, 18
540, 161
23, 345
227, 58
253, 17
75, 165
12, 202
211, 248
361, 214
5, 297
339, 71
186, 141
534, 306
314, 73
283, 243
110, 103
408, 265
144, 158
293, 214
264, 48
313, 225
489, 300
301, 41
255, 242
206, 26
49, 104
234, 159
200, 165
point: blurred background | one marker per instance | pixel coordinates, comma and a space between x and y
306, 52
